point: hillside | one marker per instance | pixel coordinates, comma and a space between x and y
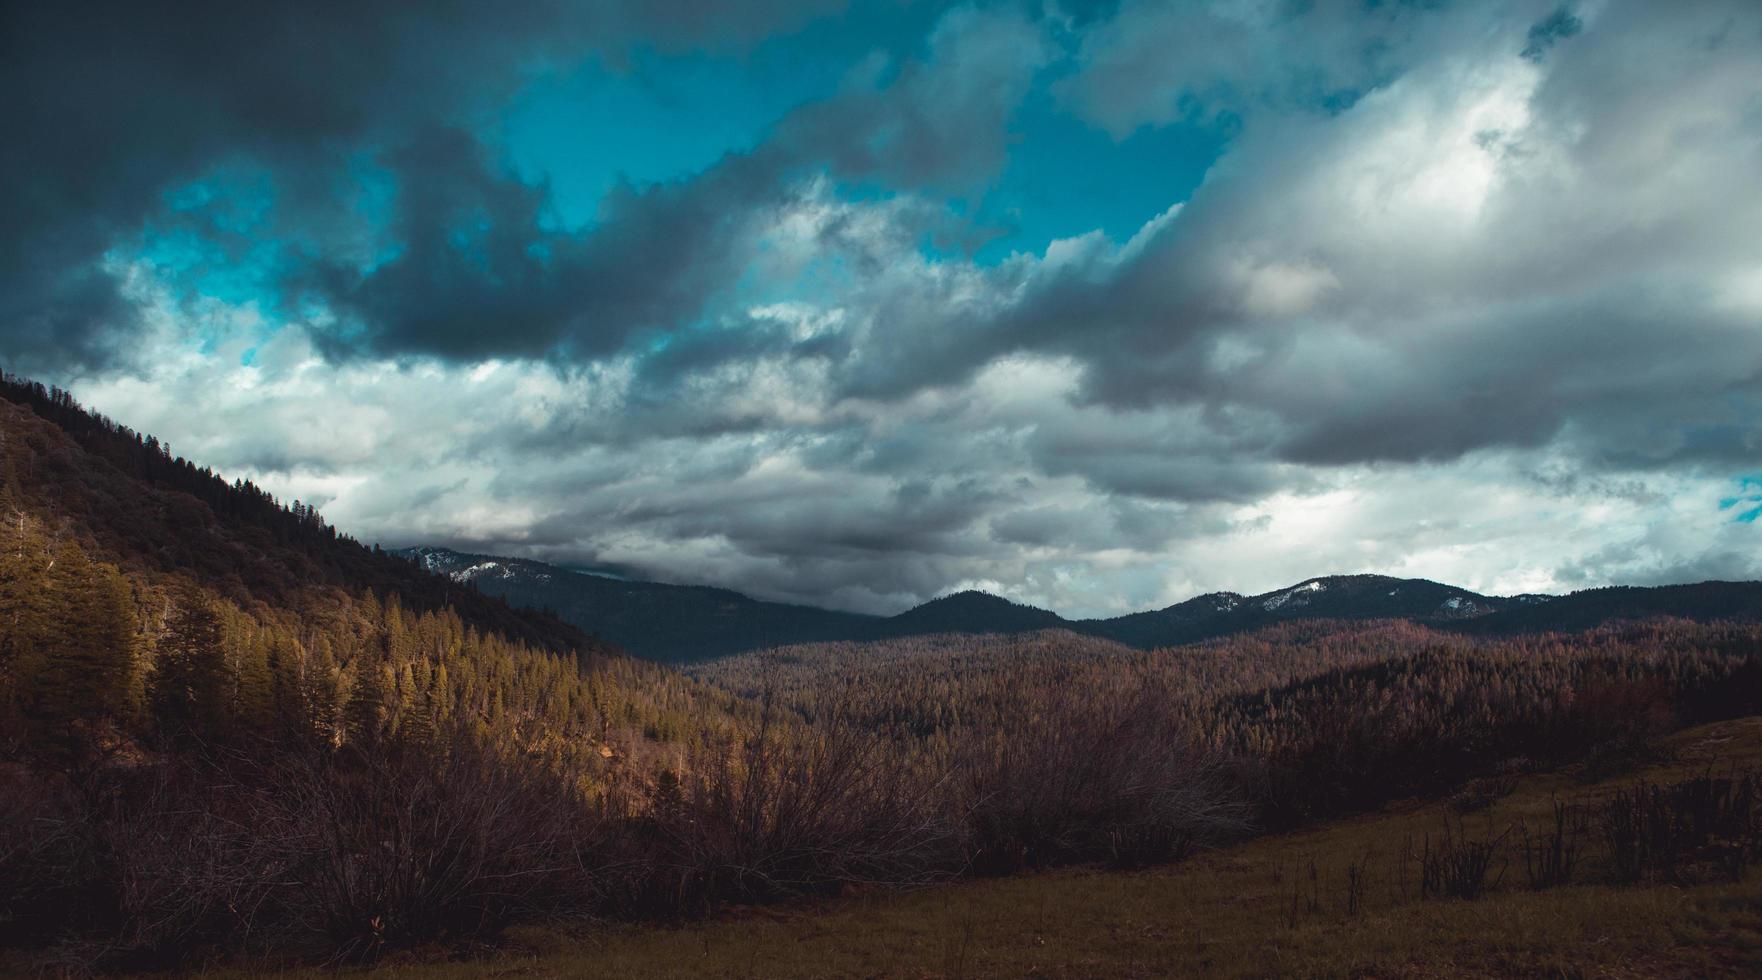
677, 623
187, 665
289, 594
127, 499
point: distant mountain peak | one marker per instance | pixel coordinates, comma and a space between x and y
972, 597
683, 622
972, 611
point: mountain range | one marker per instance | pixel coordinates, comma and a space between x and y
678, 623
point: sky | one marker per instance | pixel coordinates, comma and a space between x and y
1093, 305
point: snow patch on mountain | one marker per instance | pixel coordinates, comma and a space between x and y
1461, 606
481, 570
1298, 595
432, 559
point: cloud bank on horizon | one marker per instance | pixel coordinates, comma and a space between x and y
1094, 305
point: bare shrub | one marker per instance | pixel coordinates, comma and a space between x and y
1453, 866
192, 870
1621, 725
1550, 858
134, 868
1077, 783
785, 813
1671, 833
396, 848
1355, 885
51, 873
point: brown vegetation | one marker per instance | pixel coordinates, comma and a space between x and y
1224, 913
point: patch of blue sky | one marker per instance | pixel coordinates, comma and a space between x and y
660, 118
1746, 504
1067, 178
373, 197
656, 116
213, 239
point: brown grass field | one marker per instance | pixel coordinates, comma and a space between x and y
1274, 906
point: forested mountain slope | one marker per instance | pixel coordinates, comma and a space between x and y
126, 498
144, 601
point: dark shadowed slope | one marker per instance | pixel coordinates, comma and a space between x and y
1703, 602
972, 612
651, 619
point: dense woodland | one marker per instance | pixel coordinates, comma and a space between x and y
228, 730
1315, 717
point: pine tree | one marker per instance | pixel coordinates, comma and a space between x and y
81, 666
364, 716
319, 685
188, 689
416, 725
252, 700
24, 609
440, 694
287, 709
112, 651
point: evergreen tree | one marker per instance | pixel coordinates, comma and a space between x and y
251, 696
365, 714
319, 685
416, 723
287, 708
24, 610
188, 689
82, 663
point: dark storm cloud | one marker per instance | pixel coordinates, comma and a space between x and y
110, 105
482, 270
1182, 456
934, 122
1556, 27
126, 102
478, 274
1124, 523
